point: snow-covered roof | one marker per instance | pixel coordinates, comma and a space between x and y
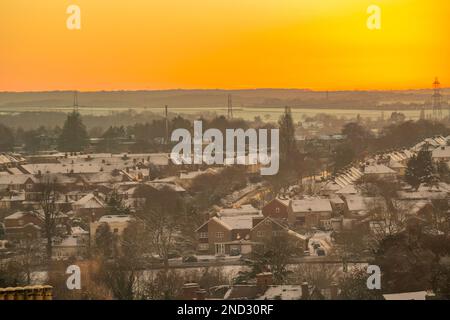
441, 152
396, 165
311, 205
15, 179
44, 168
246, 209
16, 215
418, 295
161, 185
239, 222
21, 214
89, 201
358, 203
69, 241
331, 186
78, 231
116, 218
378, 169
349, 189
282, 292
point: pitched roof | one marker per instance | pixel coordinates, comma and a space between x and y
282, 292
378, 169
15, 179
348, 189
116, 218
246, 209
311, 205
418, 295
239, 222
442, 152
90, 201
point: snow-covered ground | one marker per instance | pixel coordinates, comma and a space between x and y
323, 239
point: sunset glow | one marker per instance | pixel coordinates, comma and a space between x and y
142, 44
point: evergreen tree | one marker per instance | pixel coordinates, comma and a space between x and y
74, 135
288, 147
354, 287
116, 205
6, 138
420, 170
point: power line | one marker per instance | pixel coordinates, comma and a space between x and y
230, 107
437, 100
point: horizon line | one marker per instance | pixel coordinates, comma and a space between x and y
215, 89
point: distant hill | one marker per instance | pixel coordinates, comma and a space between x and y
217, 98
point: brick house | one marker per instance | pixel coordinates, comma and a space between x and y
309, 213
91, 206
227, 233
23, 224
277, 208
267, 229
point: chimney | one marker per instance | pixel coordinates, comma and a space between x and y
334, 291
189, 291
263, 280
305, 291
200, 294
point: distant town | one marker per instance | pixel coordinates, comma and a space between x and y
351, 193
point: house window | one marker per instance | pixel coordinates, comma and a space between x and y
203, 235
277, 210
219, 235
203, 247
29, 186
116, 230
260, 234
276, 233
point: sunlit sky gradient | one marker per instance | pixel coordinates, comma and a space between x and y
161, 44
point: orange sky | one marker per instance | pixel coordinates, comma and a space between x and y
161, 44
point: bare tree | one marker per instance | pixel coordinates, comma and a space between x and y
162, 215
29, 255
121, 274
48, 194
275, 256
320, 275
